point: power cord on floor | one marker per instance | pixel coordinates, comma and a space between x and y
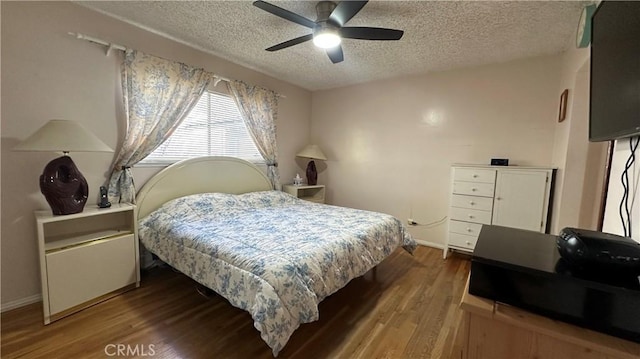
413, 223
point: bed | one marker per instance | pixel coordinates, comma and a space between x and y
217, 220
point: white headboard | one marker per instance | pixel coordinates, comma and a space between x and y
200, 175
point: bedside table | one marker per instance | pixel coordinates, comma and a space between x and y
313, 193
86, 257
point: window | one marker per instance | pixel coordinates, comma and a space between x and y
214, 127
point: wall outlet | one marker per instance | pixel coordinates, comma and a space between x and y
411, 222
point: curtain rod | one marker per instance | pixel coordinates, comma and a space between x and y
111, 46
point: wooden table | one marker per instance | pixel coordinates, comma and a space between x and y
494, 330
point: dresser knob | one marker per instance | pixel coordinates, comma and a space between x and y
475, 176
468, 243
470, 216
474, 189
468, 229
472, 203
498, 198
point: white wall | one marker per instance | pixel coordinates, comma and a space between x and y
580, 163
390, 143
572, 62
48, 74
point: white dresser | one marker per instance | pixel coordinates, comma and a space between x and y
510, 196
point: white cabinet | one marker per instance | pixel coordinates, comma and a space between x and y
86, 257
508, 196
522, 199
313, 193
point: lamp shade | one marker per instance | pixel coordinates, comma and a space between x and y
313, 152
63, 136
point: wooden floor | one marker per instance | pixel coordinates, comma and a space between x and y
409, 310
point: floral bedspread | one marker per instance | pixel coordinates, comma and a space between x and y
269, 253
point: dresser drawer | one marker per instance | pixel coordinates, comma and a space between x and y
473, 189
472, 202
462, 241
470, 215
474, 175
466, 228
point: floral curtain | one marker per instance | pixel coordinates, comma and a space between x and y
157, 94
258, 108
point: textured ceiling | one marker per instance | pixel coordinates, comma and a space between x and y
439, 35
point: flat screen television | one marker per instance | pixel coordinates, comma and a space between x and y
615, 71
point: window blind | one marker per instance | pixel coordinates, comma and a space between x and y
214, 127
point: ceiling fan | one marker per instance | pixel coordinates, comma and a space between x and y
328, 29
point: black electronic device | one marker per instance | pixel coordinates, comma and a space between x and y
615, 71
499, 161
104, 201
584, 248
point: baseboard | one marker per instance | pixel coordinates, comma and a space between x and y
429, 244
21, 302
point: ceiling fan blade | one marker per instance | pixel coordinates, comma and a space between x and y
335, 54
296, 41
345, 11
285, 14
371, 33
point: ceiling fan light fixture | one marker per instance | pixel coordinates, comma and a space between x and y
328, 29
326, 38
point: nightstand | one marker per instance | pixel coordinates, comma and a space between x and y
86, 257
313, 193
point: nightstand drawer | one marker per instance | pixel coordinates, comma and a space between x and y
473, 189
462, 241
474, 175
79, 274
466, 228
470, 215
472, 202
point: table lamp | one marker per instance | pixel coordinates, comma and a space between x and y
312, 152
61, 183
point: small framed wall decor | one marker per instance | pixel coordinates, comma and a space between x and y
562, 113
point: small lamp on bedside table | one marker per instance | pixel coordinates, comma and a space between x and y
61, 182
312, 152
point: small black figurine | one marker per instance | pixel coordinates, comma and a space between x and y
104, 203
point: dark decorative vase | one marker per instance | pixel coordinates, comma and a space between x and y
312, 175
64, 187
